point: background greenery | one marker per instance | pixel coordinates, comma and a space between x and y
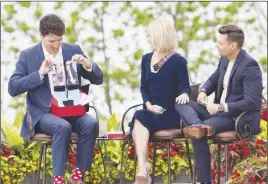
113, 35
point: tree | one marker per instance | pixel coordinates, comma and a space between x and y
110, 34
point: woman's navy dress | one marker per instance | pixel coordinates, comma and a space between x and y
161, 89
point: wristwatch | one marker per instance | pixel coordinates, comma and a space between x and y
220, 108
202, 90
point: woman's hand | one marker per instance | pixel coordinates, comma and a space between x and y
153, 109
182, 99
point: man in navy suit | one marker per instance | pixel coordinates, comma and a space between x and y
32, 76
237, 83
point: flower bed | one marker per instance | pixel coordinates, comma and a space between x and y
245, 167
19, 158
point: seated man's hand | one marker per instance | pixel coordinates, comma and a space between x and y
202, 98
46, 66
212, 108
182, 99
81, 60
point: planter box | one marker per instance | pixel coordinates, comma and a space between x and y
182, 178
30, 179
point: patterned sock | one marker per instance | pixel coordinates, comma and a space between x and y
77, 174
58, 180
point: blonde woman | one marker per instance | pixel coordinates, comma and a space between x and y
164, 80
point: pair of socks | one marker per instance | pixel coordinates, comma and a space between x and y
66, 77
76, 175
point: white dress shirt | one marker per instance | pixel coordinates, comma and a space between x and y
58, 61
225, 84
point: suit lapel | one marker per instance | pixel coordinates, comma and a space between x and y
40, 57
66, 53
237, 61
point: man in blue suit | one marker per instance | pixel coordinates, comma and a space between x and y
32, 76
237, 83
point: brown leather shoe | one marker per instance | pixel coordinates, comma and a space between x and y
210, 130
72, 181
194, 131
198, 131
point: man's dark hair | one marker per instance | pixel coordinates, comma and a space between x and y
234, 33
51, 23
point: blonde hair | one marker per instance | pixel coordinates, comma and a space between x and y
163, 35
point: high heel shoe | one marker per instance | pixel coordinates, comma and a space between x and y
144, 176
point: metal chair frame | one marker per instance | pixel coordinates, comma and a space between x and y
218, 140
157, 139
46, 142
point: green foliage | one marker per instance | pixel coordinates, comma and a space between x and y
25, 4
11, 134
112, 123
194, 25
15, 165
141, 17
10, 10
37, 13
263, 62
251, 170
118, 33
24, 27
17, 156
18, 102
138, 54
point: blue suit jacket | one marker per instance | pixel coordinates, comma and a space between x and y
244, 88
26, 78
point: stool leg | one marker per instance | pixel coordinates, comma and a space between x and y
122, 171
135, 166
169, 170
39, 164
106, 159
154, 161
189, 160
45, 158
194, 174
226, 163
121, 162
219, 164
83, 176
103, 163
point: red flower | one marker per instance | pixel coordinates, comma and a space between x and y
73, 161
246, 151
72, 158
264, 115
163, 155
173, 153
5, 152
131, 151
96, 152
259, 141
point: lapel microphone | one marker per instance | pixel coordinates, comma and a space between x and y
156, 67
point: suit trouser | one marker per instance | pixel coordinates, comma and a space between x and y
193, 112
61, 130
